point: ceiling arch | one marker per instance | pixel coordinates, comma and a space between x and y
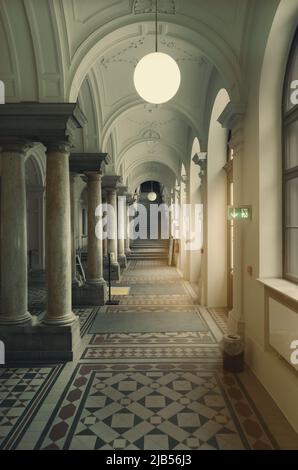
192, 32
139, 104
151, 171
135, 144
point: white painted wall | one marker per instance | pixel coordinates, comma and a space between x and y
262, 189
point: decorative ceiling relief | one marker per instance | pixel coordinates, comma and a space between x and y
186, 56
154, 122
150, 134
152, 138
119, 56
148, 6
132, 52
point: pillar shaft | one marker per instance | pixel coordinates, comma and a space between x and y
14, 290
95, 252
127, 234
112, 240
105, 240
73, 209
58, 230
121, 230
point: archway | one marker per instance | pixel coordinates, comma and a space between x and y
35, 214
195, 199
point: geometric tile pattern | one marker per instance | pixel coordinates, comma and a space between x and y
21, 393
220, 316
185, 338
155, 391
151, 308
153, 300
152, 352
155, 410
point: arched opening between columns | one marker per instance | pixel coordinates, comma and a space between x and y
35, 193
195, 199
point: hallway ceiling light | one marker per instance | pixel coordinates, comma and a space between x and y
152, 195
157, 76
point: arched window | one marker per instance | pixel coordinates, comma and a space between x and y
290, 166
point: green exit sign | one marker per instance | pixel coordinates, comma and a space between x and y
239, 213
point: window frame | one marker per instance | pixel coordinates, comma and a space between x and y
288, 117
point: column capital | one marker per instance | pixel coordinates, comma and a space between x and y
122, 190
93, 176
111, 182
59, 147
14, 145
50, 123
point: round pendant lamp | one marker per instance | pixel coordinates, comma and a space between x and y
157, 76
152, 195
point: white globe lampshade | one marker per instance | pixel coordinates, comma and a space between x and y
152, 196
157, 78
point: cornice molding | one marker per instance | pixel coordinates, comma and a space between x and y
83, 163
52, 124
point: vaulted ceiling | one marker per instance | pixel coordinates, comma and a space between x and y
64, 50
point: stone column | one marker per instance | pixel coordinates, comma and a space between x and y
14, 286
127, 232
73, 207
95, 254
105, 240
113, 238
58, 231
121, 231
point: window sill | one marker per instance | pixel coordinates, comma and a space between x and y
286, 288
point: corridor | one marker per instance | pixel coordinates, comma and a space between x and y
150, 146
136, 390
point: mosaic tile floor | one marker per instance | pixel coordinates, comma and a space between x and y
135, 390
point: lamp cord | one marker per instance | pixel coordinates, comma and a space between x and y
155, 25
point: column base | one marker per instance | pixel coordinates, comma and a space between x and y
6, 320
128, 252
59, 321
235, 324
90, 294
122, 261
115, 272
40, 343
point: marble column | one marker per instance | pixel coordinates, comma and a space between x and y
105, 240
74, 214
121, 231
113, 235
14, 285
58, 231
127, 231
95, 252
